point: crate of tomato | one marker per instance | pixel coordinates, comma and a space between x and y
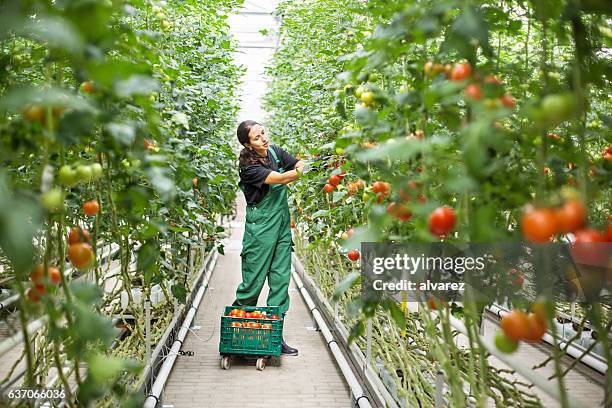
252, 331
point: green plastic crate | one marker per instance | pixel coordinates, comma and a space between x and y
251, 341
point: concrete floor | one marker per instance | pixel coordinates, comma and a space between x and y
311, 379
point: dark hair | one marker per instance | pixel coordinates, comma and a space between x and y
249, 157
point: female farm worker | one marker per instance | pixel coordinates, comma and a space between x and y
266, 247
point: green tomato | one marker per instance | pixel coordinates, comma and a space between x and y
96, 170
366, 197
52, 200
84, 173
359, 91
367, 98
504, 344
67, 176
556, 108
339, 150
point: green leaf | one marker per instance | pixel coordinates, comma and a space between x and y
146, 261
179, 292
221, 249
356, 331
103, 368
338, 195
123, 133
348, 282
136, 85
56, 31
396, 312
320, 213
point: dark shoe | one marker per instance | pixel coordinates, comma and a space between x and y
287, 350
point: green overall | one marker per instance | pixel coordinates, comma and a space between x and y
266, 249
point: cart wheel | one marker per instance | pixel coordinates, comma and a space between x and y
225, 362
261, 364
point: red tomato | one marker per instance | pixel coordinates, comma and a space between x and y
274, 317
434, 303
292, 224
80, 255
539, 225
492, 79
473, 91
399, 211
519, 280
87, 87
441, 221
515, 325
35, 293
378, 187
353, 255
334, 180
461, 71
54, 275
571, 216
241, 313
350, 232
78, 234
328, 188
267, 326
37, 275
536, 328
236, 324
254, 325
508, 101
586, 249
91, 207
609, 233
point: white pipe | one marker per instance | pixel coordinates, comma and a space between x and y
573, 350
361, 399
8, 344
164, 372
372, 375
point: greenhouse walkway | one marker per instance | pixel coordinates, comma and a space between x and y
311, 379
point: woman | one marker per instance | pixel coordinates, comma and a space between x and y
266, 247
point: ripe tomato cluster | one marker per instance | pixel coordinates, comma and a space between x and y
518, 325
241, 313
542, 224
382, 189
473, 90
251, 315
39, 279
333, 181
80, 252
